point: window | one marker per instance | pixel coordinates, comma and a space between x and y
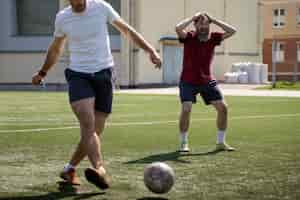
298, 17
116, 4
36, 17
279, 17
298, 51
278, 52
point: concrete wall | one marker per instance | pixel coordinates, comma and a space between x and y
17, 65
243, 47
154, 19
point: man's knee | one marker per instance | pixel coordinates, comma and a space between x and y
85, 117
100, 119
88, 138
223, 108
87, 121
87, 124
87, 127
187, 107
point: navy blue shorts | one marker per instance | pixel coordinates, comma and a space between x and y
87, 85
209, 92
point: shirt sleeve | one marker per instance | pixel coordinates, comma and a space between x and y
58, 32
188, 36
217, 38
112, 14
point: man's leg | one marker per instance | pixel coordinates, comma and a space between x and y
188, 94
84, 111
79, 154
100, 119
222, 114
184, 120
101, 83
222, 120
184, 123
89, 143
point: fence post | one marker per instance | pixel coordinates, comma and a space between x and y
274, 64
296, 72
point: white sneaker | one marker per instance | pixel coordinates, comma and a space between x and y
224, 147
184, 147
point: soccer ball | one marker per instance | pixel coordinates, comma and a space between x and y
159, 177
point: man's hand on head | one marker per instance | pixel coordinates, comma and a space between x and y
197, 16
210, 18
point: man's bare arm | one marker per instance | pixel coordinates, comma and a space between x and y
131, 34
181, 26
229, 29
54, 51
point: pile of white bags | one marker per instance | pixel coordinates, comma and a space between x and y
244, 73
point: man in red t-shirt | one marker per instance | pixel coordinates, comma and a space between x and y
196, 76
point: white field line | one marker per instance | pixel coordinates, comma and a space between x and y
225, 91
124, 104
36, 120
34, 109
153, 122
7, 121
16, 124
41, 119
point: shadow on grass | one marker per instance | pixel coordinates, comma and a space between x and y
55, 196
171, 156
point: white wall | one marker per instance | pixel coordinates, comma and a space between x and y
154, 19
243, 15
157, 18
19, 67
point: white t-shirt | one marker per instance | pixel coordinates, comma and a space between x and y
87, 35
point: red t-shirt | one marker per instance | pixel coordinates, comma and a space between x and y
198, 57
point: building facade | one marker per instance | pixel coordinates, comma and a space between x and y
281, 47
24, 40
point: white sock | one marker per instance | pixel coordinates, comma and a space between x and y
184, 137
220, 137
68, 166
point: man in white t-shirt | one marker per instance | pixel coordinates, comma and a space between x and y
84, 25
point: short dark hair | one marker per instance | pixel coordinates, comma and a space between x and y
202, 18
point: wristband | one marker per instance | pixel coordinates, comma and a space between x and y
42, 73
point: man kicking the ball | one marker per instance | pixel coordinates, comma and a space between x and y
84, 25
196, 76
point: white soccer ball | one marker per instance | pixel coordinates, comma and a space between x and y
159, 177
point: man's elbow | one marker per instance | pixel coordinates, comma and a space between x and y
230, 33
233, 30
178, 30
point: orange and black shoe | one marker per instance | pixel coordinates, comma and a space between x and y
70, 176
101, 180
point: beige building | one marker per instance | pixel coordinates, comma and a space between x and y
281, 45
155, 19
